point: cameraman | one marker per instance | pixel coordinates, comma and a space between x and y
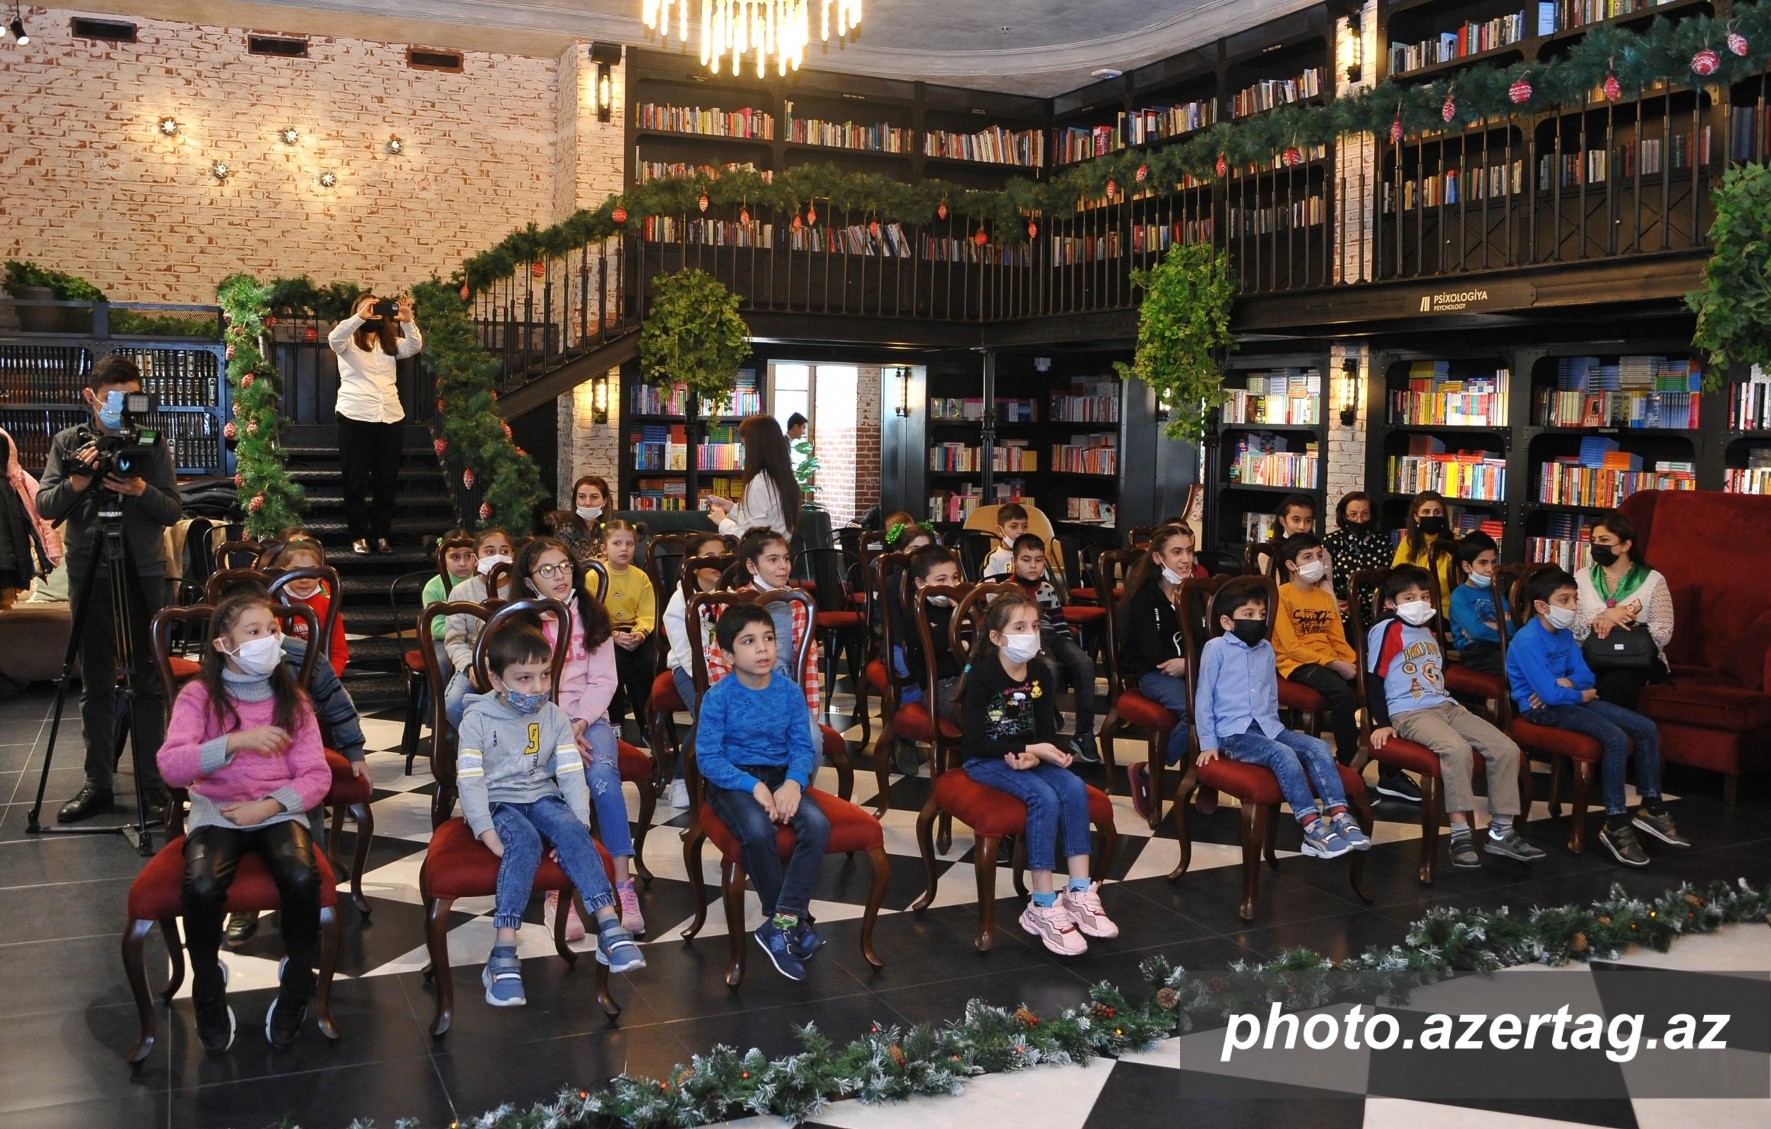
71, 493
370, 344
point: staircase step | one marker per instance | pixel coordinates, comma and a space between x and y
418, 479
404, 530
331, 499
375, 690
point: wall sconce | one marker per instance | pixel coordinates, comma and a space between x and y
168, 127
605, 56
1356, 33
903, 391
1349, 392
288, 135
327, 179
221, 170
599, 398
395, 146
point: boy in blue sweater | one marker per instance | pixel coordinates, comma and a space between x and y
1475, 620
755, 753
1552, 685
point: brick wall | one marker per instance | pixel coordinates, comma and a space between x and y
846, 437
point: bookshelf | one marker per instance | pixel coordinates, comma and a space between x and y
658, 444
1746, 443
1269, 440
1425, 40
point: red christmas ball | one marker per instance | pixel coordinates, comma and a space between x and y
619, 215
537, 270
1223, 166
310, 334
797, 224
465, 292
485, 511
743, 215
239, 482
873, 228
941, 211
1143, 173
246, 381
256, 504
811, 213
980, 238
1613, 90
1519, 92
1706, 62
702, 202
1396, 131
467, 478
440, 445
1737, 43
230, 431
1292, 157
270, 323
1032, 230
1112, 189
1449, 110
252, 427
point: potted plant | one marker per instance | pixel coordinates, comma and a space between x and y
1733, 304
1183, 334
694, 336
32, 283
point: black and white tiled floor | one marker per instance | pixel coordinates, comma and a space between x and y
66, 1016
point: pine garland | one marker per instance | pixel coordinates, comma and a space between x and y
270, 499
891, 1063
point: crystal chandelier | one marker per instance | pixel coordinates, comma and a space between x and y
762, 29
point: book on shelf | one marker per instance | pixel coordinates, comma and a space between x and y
658, 494
1290, 396
1087, 454
1152, 123
1259, 528
1147, 238
34, 429
1071, 250
1472, 37
649, 400
650, 443
1017, 411
1455, 186
192, 437
1095, 511
1279, 217
749, 123
963, 408
707, 232
855, 239
937, 249
881, 137
1476, 476
1754, 477
954, 505
1628, 160
1010, 490
1626, 410
1749, 403
1577, 481
720, 450
993, 146
1014, 456
663, 170
1564, 15
1264, 459
722, 487
955, 458
177, 376
43, 374
1269, 93
1432, 398
1087, 399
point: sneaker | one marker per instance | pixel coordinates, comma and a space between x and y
679, 794
629, 900
550, 908
1055, 928
1350, 832
615, 948
503, 977
1321, 841
215, 1019
908, 757
360, 547
1083, 745
804, 940
240, 928
775, 942
1660, 826
1398, 786
1512, 846
282, 1023
1137, 775
1464, 855
1084, 908
1621, 841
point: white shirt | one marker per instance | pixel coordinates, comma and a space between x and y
368, 382
1657, 607
760, 508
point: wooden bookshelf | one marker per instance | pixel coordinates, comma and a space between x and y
659, 444
1269, 441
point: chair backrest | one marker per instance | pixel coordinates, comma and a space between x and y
1261, 558
1138, 536
888, 588
224, 578
701, 604
501, 579
970, 604
685, 580
826, 574
1365, 613
1111, 568
408, 582
252, 551
665, 553
597, 573
974, 547
328, 578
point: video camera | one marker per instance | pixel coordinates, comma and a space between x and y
125, 451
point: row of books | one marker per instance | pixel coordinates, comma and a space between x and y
855, 239
1092, 510
1088, 454
1078, 143
658, 446
720, 450
1568, 14
1626, 161
1474, 476
1074, 250
1149, 238
708, 233
1566, 482
1259, 528
1011, 457
1749, 403
1308, 212
954, 505
748, 122
1554, 408
660, 170
1471, 38
46, 374
1748, 480
939, 250
881, 137
1433, 399
1289, 395
194, 438
971, 409
33, 429
177, 376
1273, 92
658, 494
1455, 186
995, 145
649, 400
1288, 469
1090, 399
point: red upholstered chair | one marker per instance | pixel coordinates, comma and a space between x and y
852, 830
157, 894
842, 626
910, 721
991, 814
1255, 788
456, 864
1127, 706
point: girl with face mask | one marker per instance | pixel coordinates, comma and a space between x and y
1153, 657
244, 741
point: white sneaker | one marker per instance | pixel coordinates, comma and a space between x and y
679, 794
1084, 908
1055, 928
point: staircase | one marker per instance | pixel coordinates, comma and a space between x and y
423, 511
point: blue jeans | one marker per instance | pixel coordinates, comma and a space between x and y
1616, 729
602, 772
784, 890
522, 828
1057, 805
1300, 761
1170, 693
455, 697
685, 689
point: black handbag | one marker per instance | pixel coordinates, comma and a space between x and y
1624, 648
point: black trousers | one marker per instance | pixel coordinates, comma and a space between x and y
1343, 706
370, 453
1483, 657
212, 858
98, 674
1624, 687
634, 672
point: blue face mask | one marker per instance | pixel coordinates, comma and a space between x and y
110, 413
524, 703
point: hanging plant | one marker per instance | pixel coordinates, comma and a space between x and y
1183, 326
1734, 302
694, 336
275, 500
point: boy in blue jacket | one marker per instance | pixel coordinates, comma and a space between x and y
755, 753
1552, 685
1473, 616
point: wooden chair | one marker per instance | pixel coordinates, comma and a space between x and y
665, 703
411, 663
851, 829
252, 551
157, 894
456, 864
1256, 788
1461, 681
1127, 705
900, 720
839, 624
991, 814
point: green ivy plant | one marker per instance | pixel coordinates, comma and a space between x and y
1183, 329
270, 499
694, 336
1734, 303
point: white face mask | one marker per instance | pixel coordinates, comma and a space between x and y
1171, 576
1020, 648
1311, 571
761, 584
1560, 618
1481, 579
1415, 612
590, 513
941, 601
259, 656
487, 564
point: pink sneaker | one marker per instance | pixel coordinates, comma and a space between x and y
1054, 928
628, 900
1084, 907
551, 908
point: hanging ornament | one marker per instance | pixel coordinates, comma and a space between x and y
1292, 157
537, 270
506, 425
230, 431
467, 478
873, 228
465, 292
1026, 1017
228, 352
310, 334
1449, 110
1223, 166
439, 445
256, 504
239, 482
1519, 92
702, 202
252, 427
743, 215
1613, 89
980, 238
485, 511
797, 225
247, 380
1737, 43
619, 215
1032, 230
942, 210
1143, 173
270, 323
1706, 62
1112, 189
1396, 130
811, 213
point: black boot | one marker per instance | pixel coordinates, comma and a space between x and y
87, 802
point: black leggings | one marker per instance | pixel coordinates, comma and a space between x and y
212, 857
1343, 706
634, 671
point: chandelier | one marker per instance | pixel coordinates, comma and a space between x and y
763, 29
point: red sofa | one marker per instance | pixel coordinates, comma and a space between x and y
1711, 547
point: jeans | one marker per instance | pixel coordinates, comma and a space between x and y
685, 689
1343, 706
370, 453
782, 890
1170, 693
602, 772
1057, 805
1482, 657
1064, 655
1299, 760
1616, 729
212, 858
100, 706
455, 697
522, 829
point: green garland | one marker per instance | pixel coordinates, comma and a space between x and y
270, 499
891, 1063
474, 444
1661, 53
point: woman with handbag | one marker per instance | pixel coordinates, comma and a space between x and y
1625, 616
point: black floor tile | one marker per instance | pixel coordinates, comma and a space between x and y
538, 1070
47, 859
1136, 1091
774, 1030
686, 979
71, 974
72, 1056
322, 1099
140, 1109
69, 909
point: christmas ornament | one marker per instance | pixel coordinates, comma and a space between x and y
256, 504
246, 381
230, 431
980, 238
239, 482
1223, 166
897, 1053
873, 228
465, 292
270, 323
942, 210
1519, 92
485, 511
1026, 1017
1449, 110
1706, 62
1292, 157
619, 215
537, 270
702, 202
228, 352
1613, 90
1167, 998
252, 427
811, 213
1737, 43
1143, 173
1579, 944
440, 445
506, 425
467, 478
744, 215
796, 223
1032, 230
1396, 130
310, 334
1101, 1011
1112, 189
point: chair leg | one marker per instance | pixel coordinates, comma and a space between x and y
1556, 771
1104, 742
436, 929
1577, 810
925, 845
1730, 788
697, 884
1432, 812
882, 770
1183, 796
731, 880
409, 733
984, 869
1356, 872
648, 791
603, 996
1018, 865
1109, 850
845, 772
1254, 833
138, 984
944, 832
328, 966
175, 954
1156, 759
567, 894
882, 874
360, 856
1270, 842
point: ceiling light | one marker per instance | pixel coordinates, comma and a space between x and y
168, 127
777, 30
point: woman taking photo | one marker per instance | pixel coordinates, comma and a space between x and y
370, 344
771, 494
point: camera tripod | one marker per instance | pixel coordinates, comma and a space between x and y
115, 560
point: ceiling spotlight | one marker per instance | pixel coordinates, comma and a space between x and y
395, 146
18, 29
221, 170
168, 127
288, 135
1104, 73
327, 179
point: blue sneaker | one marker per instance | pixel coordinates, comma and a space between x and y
804, 940
1321, 841
1349, 832
779, 946
503, 978
615, 948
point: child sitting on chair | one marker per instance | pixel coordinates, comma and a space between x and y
306, 553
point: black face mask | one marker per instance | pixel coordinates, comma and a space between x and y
1604, 555
1360, 527
1250, 631
1431, 525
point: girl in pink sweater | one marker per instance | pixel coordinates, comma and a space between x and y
243, 741
586, 685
